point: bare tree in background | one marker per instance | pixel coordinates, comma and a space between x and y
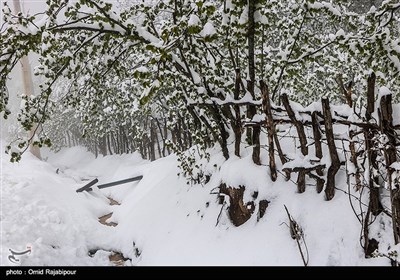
28, 87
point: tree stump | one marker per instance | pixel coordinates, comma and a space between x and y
238, 211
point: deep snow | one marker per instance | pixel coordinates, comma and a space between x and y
162, 218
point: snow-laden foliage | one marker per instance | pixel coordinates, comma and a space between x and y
183, 60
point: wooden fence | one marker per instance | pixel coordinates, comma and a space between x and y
369, 149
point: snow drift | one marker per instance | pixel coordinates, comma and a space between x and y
162, 220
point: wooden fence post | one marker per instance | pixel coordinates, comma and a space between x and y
317, 139
390, 157
298, 124
301, 176
335, 162
354, 160
375, 205
266, 103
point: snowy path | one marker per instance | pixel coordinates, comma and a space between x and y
40, 208
111, 169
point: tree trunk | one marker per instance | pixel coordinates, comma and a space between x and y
28, 90
237, 126
166, 135
256, 144
103, 145
161, 152
238, 212
390, 157
68, 139
346, 91
152, 142
223, 134
255, 136
109, 144
185, 132
163, 137
375, 204
370, 96
96, 152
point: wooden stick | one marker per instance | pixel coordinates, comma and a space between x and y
298, 124
87, 186
137, 178
335, 164
271, 129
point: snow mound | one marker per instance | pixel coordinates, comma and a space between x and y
162, 220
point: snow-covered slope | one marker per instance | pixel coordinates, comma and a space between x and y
40, 208
171, 223
161, 219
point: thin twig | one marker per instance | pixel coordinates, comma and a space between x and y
296, 233
220, 213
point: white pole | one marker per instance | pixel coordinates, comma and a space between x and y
28, 86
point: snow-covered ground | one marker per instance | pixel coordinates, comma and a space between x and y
161, 219
40, 208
